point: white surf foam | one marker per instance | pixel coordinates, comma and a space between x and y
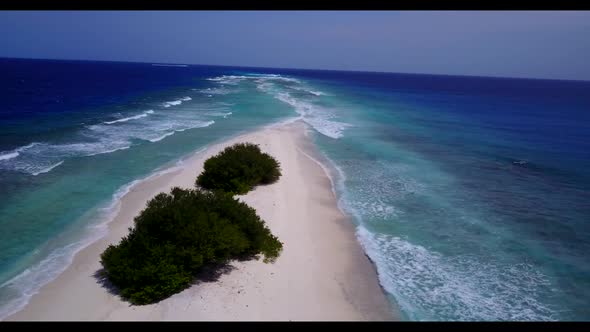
304, 89
172, 103
316, 116
139, 116
28, 146
151, 129
8, 155
180, 126
264, 86
45, 170
320, 118
38, 158
236, 79
105, 145
228, 79
217, 91
218, 113
176, 102
157, 139
30, 281
110, 151
193, 125
377, 187
428, 285
272, 77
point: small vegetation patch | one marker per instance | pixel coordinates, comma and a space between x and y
238, 169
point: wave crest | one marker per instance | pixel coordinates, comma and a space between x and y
8, 155
176, 102
316, 116
431, 286
139, 116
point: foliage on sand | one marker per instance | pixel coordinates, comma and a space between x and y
238, 169
177, 234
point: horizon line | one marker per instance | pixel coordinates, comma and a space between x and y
309, 69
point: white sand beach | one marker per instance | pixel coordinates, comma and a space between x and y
322, 273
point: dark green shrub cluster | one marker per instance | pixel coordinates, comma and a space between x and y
238, 169
176, 235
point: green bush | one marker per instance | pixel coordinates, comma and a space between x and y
176, 235
238, 169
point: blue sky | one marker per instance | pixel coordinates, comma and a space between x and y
537, 44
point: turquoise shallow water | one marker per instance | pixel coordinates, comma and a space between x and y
469, 194
468, 213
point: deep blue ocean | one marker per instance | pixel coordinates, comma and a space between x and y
470, 194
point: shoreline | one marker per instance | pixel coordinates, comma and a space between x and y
322, 274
